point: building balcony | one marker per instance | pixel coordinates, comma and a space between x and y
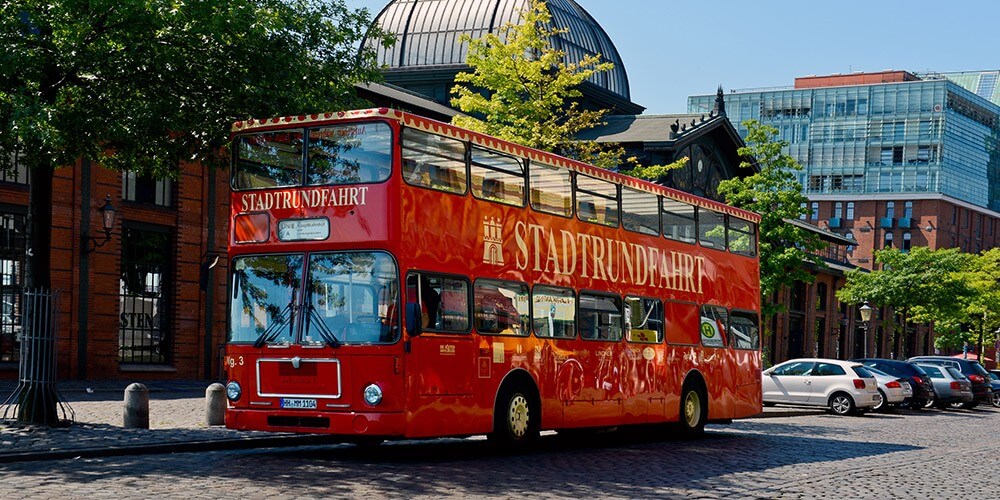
905, 223
835, 223
885, 223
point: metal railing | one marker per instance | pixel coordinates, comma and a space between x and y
36, 400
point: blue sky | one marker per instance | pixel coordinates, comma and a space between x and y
673, 49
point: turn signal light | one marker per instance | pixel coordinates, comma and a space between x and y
859, 384
893, 385
977, 379
956, 386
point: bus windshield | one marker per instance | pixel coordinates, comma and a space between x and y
335, 154
349, 297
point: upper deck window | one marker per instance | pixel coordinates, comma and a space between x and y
497, 177
268, 160
551, 191
596, 201
349, 154
434, 161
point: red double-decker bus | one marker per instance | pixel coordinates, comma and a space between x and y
396, 277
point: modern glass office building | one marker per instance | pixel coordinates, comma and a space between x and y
901, 134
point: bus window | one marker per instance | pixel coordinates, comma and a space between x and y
711, 229
713, 326
600, 317
744, 331
433, 161
497, 177
553, 312
443, 300
596, 201
678, 220
346, 154
501, 307
264, 299
640, 211
742, 237
681, 323
551, 191
350, 297
268, 159
643, 320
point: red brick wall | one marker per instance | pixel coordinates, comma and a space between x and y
187, 222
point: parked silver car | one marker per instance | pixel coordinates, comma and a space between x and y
844, 387
895, 391
950, 386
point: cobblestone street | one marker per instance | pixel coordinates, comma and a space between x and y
902, 455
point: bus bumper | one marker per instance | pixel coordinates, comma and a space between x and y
346, 423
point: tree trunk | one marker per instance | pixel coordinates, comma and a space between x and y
38, 398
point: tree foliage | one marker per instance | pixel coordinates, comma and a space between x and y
521, 89
144, 84
958, 292
775, 194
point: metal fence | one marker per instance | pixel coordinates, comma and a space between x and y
36, 400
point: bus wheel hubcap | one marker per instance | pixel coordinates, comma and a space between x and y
517, 417
692, 409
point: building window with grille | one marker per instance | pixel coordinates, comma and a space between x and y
850, 211
908, 209
814, 212
890, 209
12, 246
143, 333
147, 190
802, 216
906, 242
887, 243
838, 209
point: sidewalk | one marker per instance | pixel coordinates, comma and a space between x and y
176, 424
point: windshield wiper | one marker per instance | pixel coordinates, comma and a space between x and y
272, 332
324, 331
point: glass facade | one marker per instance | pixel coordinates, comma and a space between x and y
927, 136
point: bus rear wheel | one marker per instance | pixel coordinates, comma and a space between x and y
516, 418
694, 410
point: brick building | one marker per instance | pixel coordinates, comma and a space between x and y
131, 307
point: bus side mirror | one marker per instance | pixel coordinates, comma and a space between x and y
414, 319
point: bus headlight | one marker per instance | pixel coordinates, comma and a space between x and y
233, 390
373, 394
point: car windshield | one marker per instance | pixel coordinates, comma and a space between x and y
978, 368
876, 371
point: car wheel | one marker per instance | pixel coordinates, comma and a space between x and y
883, 404
995, 399
931, 401
841, 404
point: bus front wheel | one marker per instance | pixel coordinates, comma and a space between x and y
516, 417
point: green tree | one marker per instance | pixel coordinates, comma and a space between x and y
921, 285
775, 194
524, 90
982, 310
144, 85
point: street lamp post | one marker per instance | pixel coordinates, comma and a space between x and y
866, 316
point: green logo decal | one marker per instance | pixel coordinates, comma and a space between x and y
707, 330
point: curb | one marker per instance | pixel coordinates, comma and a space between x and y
178, 447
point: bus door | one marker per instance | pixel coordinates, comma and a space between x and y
600, 400
443, 362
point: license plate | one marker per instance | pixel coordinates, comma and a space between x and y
299, 404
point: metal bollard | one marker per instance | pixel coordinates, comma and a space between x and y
215, 404
136, 406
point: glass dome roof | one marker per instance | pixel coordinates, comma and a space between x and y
427, 34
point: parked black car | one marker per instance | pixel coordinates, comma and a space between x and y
995, 382
980, 378
923, 388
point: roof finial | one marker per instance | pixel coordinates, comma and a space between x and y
720, 102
